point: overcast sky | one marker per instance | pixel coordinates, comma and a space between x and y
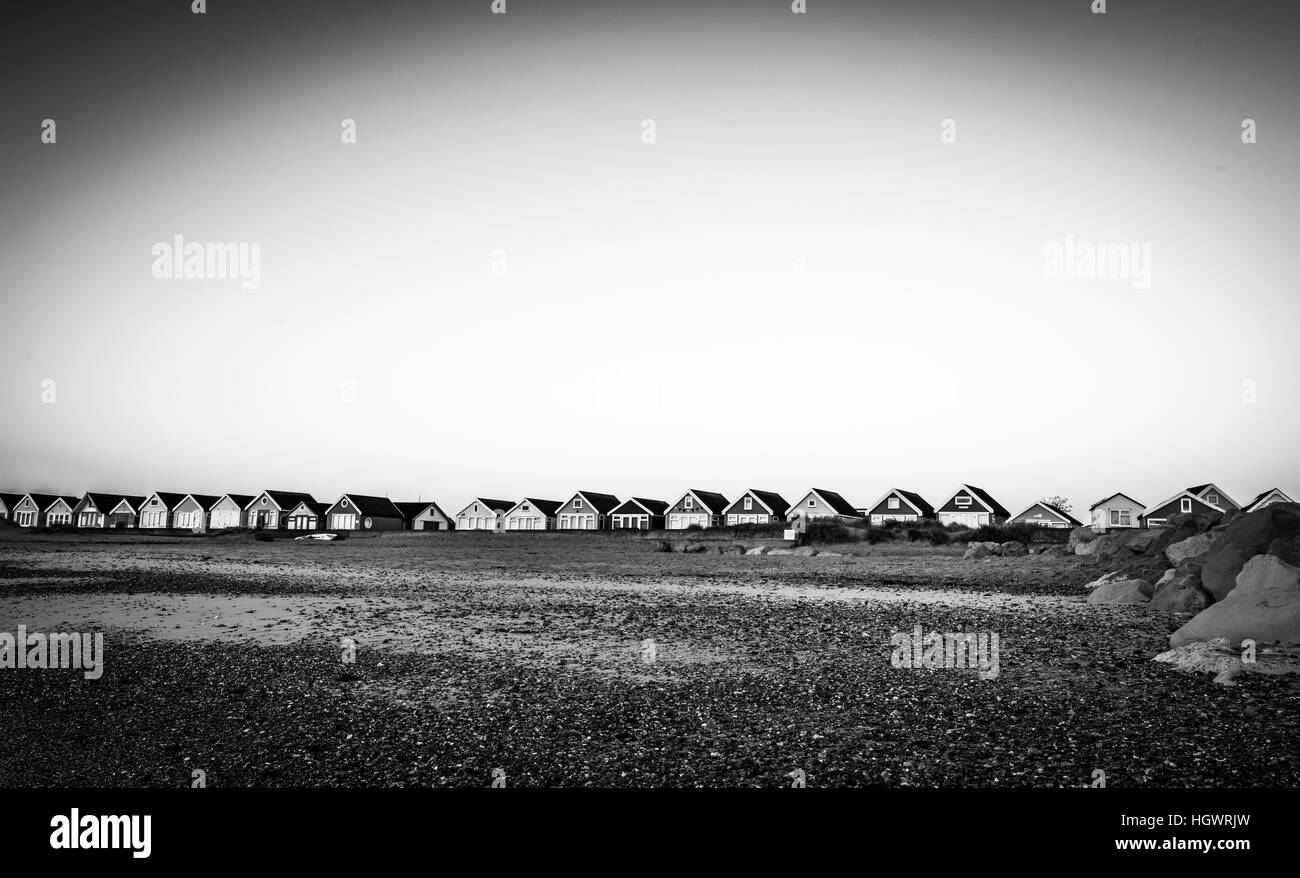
500, 289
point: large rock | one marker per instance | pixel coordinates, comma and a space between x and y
1264, 606
1246, 536
757, 550
1181, 592
806, 551
1121, 592
1080, 536
980, 549
1168, 575
1140, 540
1012, 549
1189, 549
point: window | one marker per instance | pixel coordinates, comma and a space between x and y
263, 501
476, 507
1186, 504
369, 523
577, 502
1114, 516
749, 503
524, 507
1125, 517
1213, 498
345, 503
153, 502
690, 503
963, 500
893, 503
811, 503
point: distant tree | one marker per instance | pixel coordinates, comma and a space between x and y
1056, 503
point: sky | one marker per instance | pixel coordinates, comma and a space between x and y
644, 247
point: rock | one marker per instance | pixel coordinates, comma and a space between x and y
1121, 592
1011, 549
1168, 575
1286, 549
1181, 592
1080, 536
757, 550
1052, 552
693, 548
1264, 605
805, 551
1246, 536
1189, 549
1108, 578
1141, 540
731, 550
980, 549
780, 551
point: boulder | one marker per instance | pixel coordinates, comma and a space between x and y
757, 550
1244, 537
1079, 536
693, 548
1140, 540
1189, 549
1181, 592
1264, 605
1168, 575
980, 549
805, 551
1286, 549
1012, 548
1121, 592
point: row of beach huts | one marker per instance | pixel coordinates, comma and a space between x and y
585, 511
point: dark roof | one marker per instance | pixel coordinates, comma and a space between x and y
207, 501
602, 503
997, 507
1196, 489
12, 500
367, 504
412, 508
42, 501
1264, 494
319, 508
496, 505
836, 502
916, 500
771, 500
654, 507
547, 507
242, 499
71, 501
169, 499
103, 502
712, 501
1112, 497
286, 500
1058, 510
132, 500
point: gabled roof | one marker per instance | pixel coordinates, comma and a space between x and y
170, 500
771, 501
286, 500
1198, 490
835, 502
240, 500
1112, 497
10, 500
1055, 510
641, 504
132, 502
415, 508
911, 498
1188, 493
602, 503
368, 504
1250, 507
42, 501
316, 508
546, 507
70, 500
205, 501
984, 497
103, 503
710, 500
494, 505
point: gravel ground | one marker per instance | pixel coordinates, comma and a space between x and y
527, 655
